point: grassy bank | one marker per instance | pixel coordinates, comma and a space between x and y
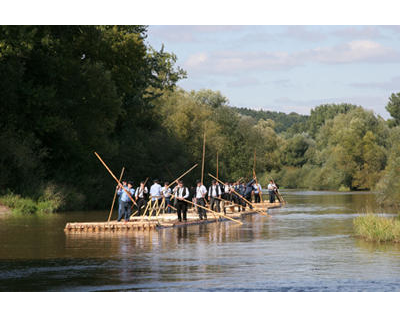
377, 228
24, 205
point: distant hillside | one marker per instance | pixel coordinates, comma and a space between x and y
292, 122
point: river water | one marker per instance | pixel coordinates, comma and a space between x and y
308, 245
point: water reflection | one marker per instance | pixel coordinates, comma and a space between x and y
306, 246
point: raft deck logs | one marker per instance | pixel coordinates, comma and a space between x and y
138, 223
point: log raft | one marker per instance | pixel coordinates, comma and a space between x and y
137, 223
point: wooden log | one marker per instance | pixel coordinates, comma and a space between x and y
210, 210
115, 194
181, 176
115, 178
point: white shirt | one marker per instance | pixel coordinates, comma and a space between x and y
226, 188
200, 191
140, 191
166, 192
214, 191
181, 192
271, 186
155, 191
257, 188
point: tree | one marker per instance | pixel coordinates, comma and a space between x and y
322, 113
212, 98
393, 107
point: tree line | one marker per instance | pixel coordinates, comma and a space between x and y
68, 91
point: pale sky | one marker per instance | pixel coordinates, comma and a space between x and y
288, 68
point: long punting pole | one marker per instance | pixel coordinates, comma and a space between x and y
184, 174
255, 177
210, 210
115, 178
217, 163
115, 195
204, 152
261, 212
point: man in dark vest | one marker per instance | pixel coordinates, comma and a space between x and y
214, 194
181, 193
141, 197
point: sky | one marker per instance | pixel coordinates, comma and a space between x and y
287, 68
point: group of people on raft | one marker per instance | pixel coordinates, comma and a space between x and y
239, 193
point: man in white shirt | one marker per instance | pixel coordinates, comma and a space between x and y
257, 192
155, 192
200, 196
214, 194
166, 193
271, 191
181, 193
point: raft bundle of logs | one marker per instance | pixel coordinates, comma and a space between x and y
149, 222
162, 221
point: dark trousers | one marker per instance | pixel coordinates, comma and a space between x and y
201, 211
248, 198
167, 205
141, 202
271, 196
214, 202
237, 200
181, 208
123, 211
256, 197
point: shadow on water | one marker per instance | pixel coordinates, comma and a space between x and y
306, 246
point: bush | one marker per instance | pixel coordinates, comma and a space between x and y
377, 228
23, 205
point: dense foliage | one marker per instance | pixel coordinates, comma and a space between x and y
68, 91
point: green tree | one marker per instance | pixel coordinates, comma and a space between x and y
393, 107
212, 98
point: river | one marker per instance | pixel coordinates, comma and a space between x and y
308, 245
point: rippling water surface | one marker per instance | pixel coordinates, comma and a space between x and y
305, 246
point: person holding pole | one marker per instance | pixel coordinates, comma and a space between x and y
155, 192
257, 192
247, 192
141, 197
200, 197
271, 191
181, 193
124, 201
214, 194
166, 193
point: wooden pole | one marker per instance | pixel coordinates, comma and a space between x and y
115, 178
145, 210
115, 195
255, 176
182, 175
217, 163
261, 212
210, 210
204, 152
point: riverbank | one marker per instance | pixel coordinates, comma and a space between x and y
15, 203
4, 209
377, 228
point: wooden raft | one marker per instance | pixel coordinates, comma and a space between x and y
137, 223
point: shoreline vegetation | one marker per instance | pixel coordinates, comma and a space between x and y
377, 228
127, 106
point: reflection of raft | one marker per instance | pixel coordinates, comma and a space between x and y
138, 223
